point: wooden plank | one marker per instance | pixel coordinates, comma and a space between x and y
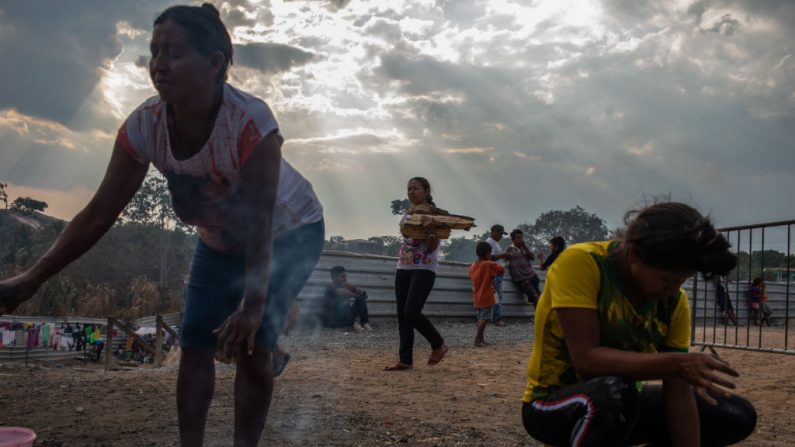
159, 340
109, 345
131, 333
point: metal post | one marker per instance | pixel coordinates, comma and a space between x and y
694, 311
748, 286
761, 296
786, 297
109, 343
159, 340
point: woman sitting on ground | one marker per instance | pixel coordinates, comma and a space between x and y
613, 314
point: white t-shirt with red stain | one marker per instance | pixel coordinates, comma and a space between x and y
206, 188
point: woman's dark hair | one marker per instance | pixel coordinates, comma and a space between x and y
674, 236
426, 186
757, 281
206, 31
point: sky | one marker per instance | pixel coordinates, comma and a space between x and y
509, 108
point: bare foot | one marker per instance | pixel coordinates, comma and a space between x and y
399, 366
480, 343
438, 354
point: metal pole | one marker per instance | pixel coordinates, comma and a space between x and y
786, 297
748, 286
761, 296
159, 340
109, 347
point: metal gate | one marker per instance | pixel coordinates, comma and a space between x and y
764, 251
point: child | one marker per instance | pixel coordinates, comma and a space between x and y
764, 307
755, 299
482, 274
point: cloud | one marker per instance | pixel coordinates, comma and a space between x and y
510, 108
53, 62
40, 153
467, 150
271, 57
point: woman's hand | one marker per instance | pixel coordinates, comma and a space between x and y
238, 332
701, 371
15, 291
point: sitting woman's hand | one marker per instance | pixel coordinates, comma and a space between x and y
701, 371
238, 332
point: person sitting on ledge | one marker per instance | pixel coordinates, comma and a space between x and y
343, 303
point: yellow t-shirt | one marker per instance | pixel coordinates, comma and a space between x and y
585, 276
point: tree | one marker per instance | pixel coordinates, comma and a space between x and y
391, 245
335, 242
3, 193
97, 301
461, 249
28, 205
574, 225
400, 206
754, 265
145, 297
151, 206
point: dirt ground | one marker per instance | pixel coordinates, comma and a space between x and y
337, 395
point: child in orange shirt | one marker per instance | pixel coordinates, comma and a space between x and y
482, 273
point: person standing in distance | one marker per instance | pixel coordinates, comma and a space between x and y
495, 236
414, 278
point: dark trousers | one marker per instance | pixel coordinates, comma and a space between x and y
412, 288
530, 289
359, 308
609, 410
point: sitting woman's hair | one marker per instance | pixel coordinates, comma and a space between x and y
206, 31
675, 236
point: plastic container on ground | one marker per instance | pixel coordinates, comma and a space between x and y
16, 437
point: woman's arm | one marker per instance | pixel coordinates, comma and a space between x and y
260, 176
429, 226
348, 293
123, 177
581, 331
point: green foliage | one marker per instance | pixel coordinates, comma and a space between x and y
55, 297
101, 279
461, 249
574, 225
392, 245
400, 206
151, 205
334, 243
28, 206
752, 266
